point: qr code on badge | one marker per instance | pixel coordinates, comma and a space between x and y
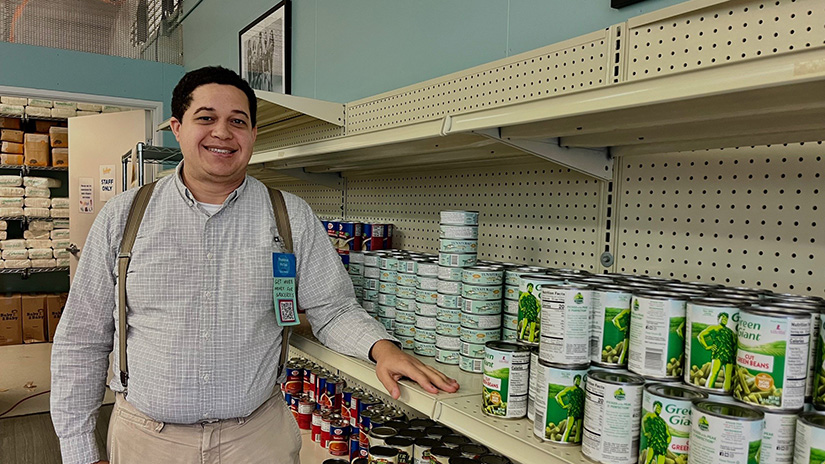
287, 309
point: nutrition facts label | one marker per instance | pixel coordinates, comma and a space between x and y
565, 326
608, 411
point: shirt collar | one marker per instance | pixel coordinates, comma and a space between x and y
187, 196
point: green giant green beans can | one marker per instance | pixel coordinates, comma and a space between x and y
529, 307
725, 433
559, 402
710, 348
610, 327
505, 378
657, 335
666, 423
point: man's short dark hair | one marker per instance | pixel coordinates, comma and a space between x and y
182, 95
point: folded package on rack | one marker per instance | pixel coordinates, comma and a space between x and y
60, 212
11, 135
46, 262
36, 234
38, 243
16, 244
19, 101
40, 103
18, 263
11, 202
11, 212
59, 234
11, 181
60, 202
61, 254
13, 160
62, 262
41, 192
12, 148
3, 235
61, 223
48, 182
38, 112
34, 202
15, 254
61, 244
38, 226
37, 212
41, 253
4, 225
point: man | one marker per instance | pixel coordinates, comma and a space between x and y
572, 399
203, 341
656, 436
720, 340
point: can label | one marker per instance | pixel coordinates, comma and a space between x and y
481, 306
665, 429
505, 383
450, 273
809, 444
457, 260
477, 321
816, 322
529, 311
349, 235
657, 337
470, 364
459, 217
458, 246
711, 347
481, 292
819, 366
472, 350
772, 360
611, 324
716, 440
565, 325
448, 315
612, 416
778, 439
559, 404
469, 232
339, 438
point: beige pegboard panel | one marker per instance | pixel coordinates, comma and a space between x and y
530, 212
706, 33
314, 131
747, 216
577, 64
325, 202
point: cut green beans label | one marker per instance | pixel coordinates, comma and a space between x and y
711, 347
611, 325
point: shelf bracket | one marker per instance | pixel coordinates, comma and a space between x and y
595, 162
332, 180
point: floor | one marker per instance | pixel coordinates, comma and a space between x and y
31, 439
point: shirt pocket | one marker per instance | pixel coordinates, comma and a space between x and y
252, 282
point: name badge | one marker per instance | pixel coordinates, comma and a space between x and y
283, 288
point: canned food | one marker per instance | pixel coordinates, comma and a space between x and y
403, 445
480, 335
813, 311
724, 433
450, 329
356, 278
387, 322
427, 269
457, 259
565, 324
529, 307
657, 335
422, 322
437, 431
426, 309
407, 280
448, 315
388, 276
305, 408
611, 323
481, 292
370, 295
404, 317
481, 306
509, 322
470, 364
408, 266
424, 349
473, 450
421, 449
386, 311
315, 426
457, 217
370, 259
666, 413
483, 275
407, 343
772, 358
810, 439
339, 438
449, 287
388, 263
481, 321
349, 235
422, 423
446, 356
511, 293
426, 296
404, 330
711, 344
371, 284
449, 301
378, 435
427, 283
559, 402
778, 437
454, 441
356, 256
442, 454
294, 378
355, 448
506, 372
383, 455
448, 245
472, 350
533, 383
387, 299
450, 273
371, 306
613, 404
446, 342
407, 302
512, 276
511, 307
461, 232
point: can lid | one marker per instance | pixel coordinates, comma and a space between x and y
543, 278
675, 392
566, 367
507, 346
493, 459
455, 440
770, 310
728, 411
399, 441
383, 451
426, 442
616, 378
661, 295
412, 434
335, 461
473, 448
813, 419
444, 452
438, 431
614, 287
799, 304
383, 432
715, 301
422, 423
462, 460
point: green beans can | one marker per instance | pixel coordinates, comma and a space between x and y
611, 325
809, 445
529, 307
657, 335
506, 371
612, 414
559, 402
531, 392
819, 365
565, 324
772, 358
710, 347
778, 437
725, 433
665, 426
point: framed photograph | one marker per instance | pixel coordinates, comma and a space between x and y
265, 47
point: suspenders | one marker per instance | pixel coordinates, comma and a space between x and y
133, 221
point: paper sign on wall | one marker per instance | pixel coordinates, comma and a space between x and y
87, 190
107, 182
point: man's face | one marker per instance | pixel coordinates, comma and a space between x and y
216, 135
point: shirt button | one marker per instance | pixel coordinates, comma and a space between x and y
206, 335
209, 256
206, 377
208, 294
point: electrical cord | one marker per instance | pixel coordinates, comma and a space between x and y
24, 399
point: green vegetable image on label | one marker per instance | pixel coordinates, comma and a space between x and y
611, 327
753, 451
528, 314
570, 401
819, 371
711, 347
655, 436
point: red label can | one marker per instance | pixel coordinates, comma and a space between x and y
305, 408
339, 438
307, 378
315, 428
294, 379
325, 424
293, 405
354, 445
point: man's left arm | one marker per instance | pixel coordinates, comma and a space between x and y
326, 294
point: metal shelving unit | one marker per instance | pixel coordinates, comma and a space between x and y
143, 155
34, 270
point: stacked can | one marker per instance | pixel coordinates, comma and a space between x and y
512, 280
425, 309
458, 249
349, 239
405, 301
387, 283
481, 309
356, 273
372, 275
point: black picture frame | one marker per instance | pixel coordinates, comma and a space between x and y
265, 48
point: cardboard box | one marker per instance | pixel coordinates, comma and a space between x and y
12, 148
54, 305
35, 328
42, 127
10, 135
60, 156
59, 137
11, 320
15, 160
37, 150
10, 123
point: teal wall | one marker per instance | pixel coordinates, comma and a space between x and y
69, 71
347, 50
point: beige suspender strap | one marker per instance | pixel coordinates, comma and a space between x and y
285, 233
123, 258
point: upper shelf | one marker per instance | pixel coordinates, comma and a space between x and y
698, 75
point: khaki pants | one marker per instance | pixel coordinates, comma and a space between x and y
268, 436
